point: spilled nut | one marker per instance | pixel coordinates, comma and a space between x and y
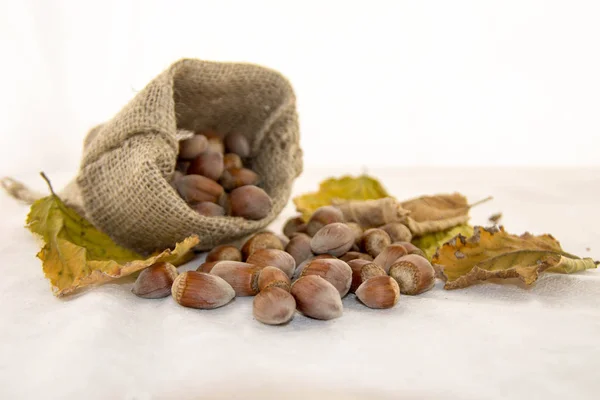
274, 306
200, 290
317, 298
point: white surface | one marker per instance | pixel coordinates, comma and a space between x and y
489, 341
455, 82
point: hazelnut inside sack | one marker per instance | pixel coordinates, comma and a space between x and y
129, 161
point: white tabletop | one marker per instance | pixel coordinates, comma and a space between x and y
489, 341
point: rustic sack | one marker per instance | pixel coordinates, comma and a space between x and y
123, 184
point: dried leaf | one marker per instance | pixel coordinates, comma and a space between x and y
437, 213
372, 213
493, 253
363, 187
430, 242
438, 207
76, 255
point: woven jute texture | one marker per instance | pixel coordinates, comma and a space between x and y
123, 183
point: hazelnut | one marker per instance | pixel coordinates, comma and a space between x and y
250, 202
206, 267
374, 240
353, 255
411, 248
232, 160
208, 164
260, 240
323, 216
398, 232
155, 281
317, 298
273, 276
299, 247
198, 188
236, 177
200, 290
389, 255
242, 277
274, 306
294, 225
304, 263
335, 239
215, 144
209, 209
238, 144
371, 270
337, 272
379, 292
357, 229
224, 252
413, 273
356, 266
274, 258
191, 148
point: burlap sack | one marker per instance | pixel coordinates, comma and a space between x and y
123, 184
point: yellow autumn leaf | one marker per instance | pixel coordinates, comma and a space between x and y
430, 242
363, 187
493, 253
76, 255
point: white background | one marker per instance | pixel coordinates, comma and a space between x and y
386, 82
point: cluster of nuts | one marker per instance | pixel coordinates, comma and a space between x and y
211, 177
323, 261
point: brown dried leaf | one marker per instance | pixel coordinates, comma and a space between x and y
493, 253
437, 213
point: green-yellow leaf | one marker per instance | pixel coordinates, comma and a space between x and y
363, 187
430, 242
76, 255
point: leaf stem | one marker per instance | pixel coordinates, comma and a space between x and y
481, 201
48, 183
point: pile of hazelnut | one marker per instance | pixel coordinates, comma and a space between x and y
309, 270
211, 177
